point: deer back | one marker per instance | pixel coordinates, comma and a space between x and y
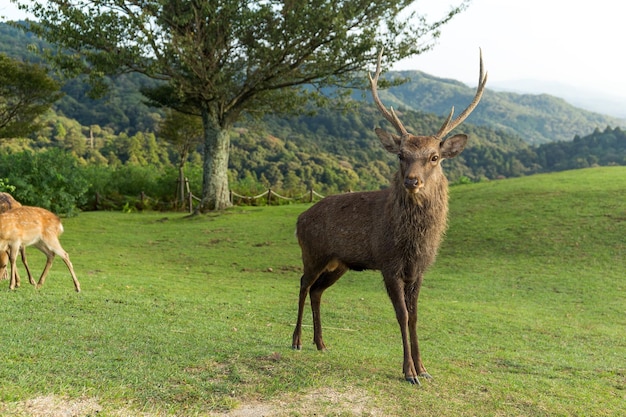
29, 225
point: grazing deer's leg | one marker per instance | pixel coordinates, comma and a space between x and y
324, 281
49, 259
412, 293
68, 263
13, 258
4, 270
4, 263
396, 290
4, 259
23, 255
51, 248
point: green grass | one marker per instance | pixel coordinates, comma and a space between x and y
524, 313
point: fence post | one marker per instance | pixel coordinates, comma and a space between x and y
311, 196
269, 196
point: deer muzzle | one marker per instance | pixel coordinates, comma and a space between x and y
413, 184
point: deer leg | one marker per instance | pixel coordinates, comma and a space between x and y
324, 281
15, 280
395, 289
4, 263
51, 248
49, 259
306, 281
4, 272
23, 255
412, 293
68, 263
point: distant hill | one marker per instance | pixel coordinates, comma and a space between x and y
536, 119
598, 102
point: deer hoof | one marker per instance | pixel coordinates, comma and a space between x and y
296, 347
413, 380
425, 375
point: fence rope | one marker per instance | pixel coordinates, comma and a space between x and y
269, 194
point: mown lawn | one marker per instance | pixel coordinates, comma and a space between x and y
523, 314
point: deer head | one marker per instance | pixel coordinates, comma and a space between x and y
420, 156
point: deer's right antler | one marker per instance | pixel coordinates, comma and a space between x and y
448, 125
389, 115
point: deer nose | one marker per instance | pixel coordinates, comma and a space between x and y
413, 183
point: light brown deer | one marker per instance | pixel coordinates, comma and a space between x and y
7, 202
25, 226
397, 230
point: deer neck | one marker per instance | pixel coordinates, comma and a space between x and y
419, 220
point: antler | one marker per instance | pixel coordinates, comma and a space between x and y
390, 116
448, 125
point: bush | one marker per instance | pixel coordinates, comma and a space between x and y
50, 179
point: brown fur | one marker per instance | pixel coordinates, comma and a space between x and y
25, 226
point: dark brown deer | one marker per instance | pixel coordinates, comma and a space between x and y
397, 230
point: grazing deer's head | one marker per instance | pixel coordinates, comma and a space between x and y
420, 156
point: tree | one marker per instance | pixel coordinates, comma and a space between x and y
184, 132
222, 59
26, 91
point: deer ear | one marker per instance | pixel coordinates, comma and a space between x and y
453, 146
390, 142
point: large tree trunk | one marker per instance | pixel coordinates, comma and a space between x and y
215, 191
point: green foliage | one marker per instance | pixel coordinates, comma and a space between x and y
522, 315
26, 91
49, 179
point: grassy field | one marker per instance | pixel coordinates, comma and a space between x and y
524, 314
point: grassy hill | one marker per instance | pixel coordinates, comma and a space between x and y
523, 314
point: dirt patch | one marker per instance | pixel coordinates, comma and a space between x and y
321, 402
52, 406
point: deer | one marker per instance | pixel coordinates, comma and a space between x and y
397, 230
7, 202
24, 226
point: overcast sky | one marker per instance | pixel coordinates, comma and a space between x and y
580, 43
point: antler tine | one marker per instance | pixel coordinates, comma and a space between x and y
390, 116
448, 125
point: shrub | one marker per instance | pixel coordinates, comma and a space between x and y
50, 179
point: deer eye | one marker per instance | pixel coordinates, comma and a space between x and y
434, 158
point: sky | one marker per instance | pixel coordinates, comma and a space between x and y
577, 43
